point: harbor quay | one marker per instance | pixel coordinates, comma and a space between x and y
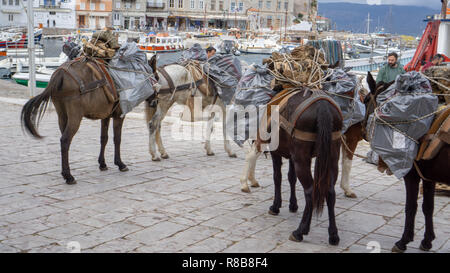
189, 202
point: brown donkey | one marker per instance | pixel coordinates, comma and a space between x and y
72, 104
433, 170
315, 123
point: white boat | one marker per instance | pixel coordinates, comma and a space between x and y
20, 64
155, 43
374, 63
259, 46
41, 79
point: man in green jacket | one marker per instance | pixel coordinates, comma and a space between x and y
390, 71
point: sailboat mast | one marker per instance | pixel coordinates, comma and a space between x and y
31, 72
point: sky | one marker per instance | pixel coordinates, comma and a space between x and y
436, 4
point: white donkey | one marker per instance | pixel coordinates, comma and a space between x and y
178, 84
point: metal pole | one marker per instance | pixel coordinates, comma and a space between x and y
32, 71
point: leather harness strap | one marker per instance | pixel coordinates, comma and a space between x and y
172, 87
169, 80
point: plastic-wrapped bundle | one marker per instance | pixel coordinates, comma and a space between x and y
132, 75
253, 89
405, 106
71, 49
196, 52
225, 71
346, 84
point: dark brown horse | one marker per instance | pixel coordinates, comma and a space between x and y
433, 170
320, 121
71, 106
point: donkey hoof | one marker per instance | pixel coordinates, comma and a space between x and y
164, 156
273, 211
425, 246
103, 168
124, 169
294, 237
334, 240
350, 194
210, 154
397, 249
255, 185
245, 189
71, 181
293, 208
156, 159
232, 155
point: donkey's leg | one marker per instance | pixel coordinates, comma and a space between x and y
347, 159
332, 229
292, 177
73, 123
153, 118
251, 156
412, 181
161, 148
103, 141
226, 141
428, 208
302, 164
277, 177
209, 130
117, 125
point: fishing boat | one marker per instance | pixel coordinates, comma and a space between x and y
160, 43
18, 40
259, 46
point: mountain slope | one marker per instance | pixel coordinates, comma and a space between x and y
406, 20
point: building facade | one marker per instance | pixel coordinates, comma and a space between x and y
129, 14
12, 14
93, 14
54, 13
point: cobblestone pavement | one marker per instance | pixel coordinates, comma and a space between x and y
187, 203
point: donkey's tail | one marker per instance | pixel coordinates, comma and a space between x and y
34, 109
323, 168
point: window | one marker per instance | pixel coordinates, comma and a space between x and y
192, 4
82, 6
172, 3
11, 2
279, 5
180, 4
10, 17
241, 6
117, 5
286, 5
138, 5
200, 4
220, 5
260, 4
269, 21
92, 6
17, 2
233, 6
268, 4
52, 12
128, 5
213, 5
4, 2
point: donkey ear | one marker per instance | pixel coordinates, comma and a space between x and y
371, 82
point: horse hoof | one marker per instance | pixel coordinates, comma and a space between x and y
103, 168
292, 237
273, 212
156, 159
124, 169
232, 155
246, 190
210, 154
350, 195
425, 247
396, 249
334, 240
165, 156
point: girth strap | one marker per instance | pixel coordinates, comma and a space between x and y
169, 80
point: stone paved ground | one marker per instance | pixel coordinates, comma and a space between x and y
188, 203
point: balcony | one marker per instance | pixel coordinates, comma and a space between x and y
155, 5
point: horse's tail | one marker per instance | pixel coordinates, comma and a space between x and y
34, 109
323, 168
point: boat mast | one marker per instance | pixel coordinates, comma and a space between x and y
31, 72
368, 23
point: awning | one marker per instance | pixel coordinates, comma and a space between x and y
11, 11
157, 14
53, 10
94, 13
